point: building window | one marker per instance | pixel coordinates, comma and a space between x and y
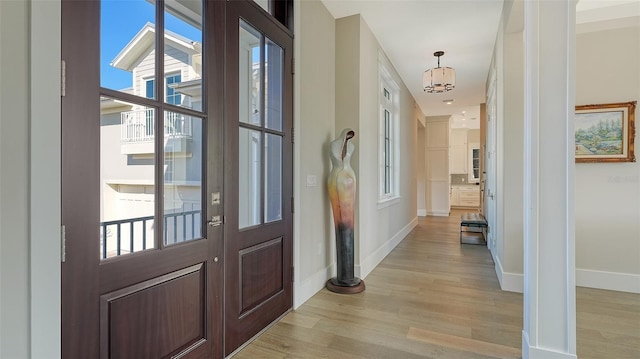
171, 95
388, 134
151, 89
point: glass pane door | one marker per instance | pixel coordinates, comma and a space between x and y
151, 125
258, 178
261, 64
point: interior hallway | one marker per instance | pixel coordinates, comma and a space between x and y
434, 298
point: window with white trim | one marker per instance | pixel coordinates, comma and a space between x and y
388, 135
171, 95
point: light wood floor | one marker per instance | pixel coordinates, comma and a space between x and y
434, 298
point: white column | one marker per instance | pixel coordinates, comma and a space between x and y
549, 235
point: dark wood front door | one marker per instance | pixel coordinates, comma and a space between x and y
177, 176
142, 140
258, 177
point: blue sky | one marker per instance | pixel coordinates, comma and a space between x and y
120, 21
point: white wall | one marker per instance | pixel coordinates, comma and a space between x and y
381, 227
14, 179
357, 76
347, 106
608, 194
314, 83
473, 136
512, 157
494, 147
508, 250
336, 82
29, 179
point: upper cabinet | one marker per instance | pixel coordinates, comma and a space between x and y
474, 162
458, 151
458, 137
464, 153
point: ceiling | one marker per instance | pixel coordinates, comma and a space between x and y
410, 31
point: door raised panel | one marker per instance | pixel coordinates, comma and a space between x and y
261, 273
157, 318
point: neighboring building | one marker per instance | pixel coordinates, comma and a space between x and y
127, 148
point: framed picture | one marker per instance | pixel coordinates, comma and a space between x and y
605, 133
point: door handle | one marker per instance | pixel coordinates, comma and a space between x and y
215, 221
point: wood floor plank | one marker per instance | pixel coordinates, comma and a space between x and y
300, 320
433, 297
466, 344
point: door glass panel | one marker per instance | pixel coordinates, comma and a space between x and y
249, 178
127, 42
274, 65
183, 53
263, 4
273, 178
183, 146
127, 185
250, 75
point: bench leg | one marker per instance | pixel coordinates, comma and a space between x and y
482, 231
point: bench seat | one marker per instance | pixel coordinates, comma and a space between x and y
469, 222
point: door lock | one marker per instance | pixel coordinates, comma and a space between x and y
215, 221
215, 198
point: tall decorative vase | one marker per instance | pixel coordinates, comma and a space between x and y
342, 194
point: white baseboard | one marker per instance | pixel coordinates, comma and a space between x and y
622, 282
529, 352
369, 263
306, 289
422, 213
438, 213
510, 282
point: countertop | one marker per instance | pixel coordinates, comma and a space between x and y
464, 184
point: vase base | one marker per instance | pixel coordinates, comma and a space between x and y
344, 289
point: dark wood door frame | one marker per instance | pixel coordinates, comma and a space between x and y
266, 245
98, 296
79, 305
91, 287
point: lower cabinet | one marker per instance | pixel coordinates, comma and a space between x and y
465, 196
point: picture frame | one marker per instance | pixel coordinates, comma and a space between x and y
605, 132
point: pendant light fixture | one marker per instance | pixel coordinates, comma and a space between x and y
439, 79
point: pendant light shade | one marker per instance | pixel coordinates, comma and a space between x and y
439, 79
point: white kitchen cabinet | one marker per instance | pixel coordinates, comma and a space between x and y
458, 137
454, 196
458, 163
465, 196
458, 151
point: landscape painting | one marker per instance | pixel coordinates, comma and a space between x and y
605, 133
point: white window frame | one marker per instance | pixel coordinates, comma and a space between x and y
175, 93
167, 75
388, 187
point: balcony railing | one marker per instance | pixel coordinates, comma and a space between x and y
139, 125
131, 234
